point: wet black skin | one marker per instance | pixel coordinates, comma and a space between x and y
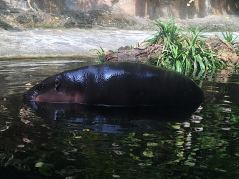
121, 85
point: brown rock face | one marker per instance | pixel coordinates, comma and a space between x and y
152, 9
224, 51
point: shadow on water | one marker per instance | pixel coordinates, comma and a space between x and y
106, 119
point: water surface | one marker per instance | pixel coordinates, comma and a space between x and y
84, 143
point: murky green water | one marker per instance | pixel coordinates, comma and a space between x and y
96, 144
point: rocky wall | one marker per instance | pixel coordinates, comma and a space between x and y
151, 9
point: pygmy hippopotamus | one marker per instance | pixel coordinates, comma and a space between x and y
119, 85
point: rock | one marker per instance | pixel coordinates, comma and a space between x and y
224, 51
144, 53
5, 25
24, 19
78, 19
29, 18
141, 53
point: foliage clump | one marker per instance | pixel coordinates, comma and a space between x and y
185, 52
101, 54
229, 37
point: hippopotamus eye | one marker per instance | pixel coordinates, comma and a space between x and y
57, 84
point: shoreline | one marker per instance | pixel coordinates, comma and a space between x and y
48, 57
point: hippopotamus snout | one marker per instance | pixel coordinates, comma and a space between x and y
54, 89
31, 94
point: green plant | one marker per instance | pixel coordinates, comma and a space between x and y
101, 54
167, 31
185, 52
229, 37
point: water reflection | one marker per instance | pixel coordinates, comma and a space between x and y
105, 119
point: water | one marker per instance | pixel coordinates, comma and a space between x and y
83, 143
67, 42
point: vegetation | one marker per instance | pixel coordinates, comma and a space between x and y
101, 54
229, 37
183, 51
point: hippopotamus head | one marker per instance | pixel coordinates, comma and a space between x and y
60, 88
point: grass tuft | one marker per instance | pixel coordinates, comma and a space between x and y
185, 52
101, 54
229, 37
